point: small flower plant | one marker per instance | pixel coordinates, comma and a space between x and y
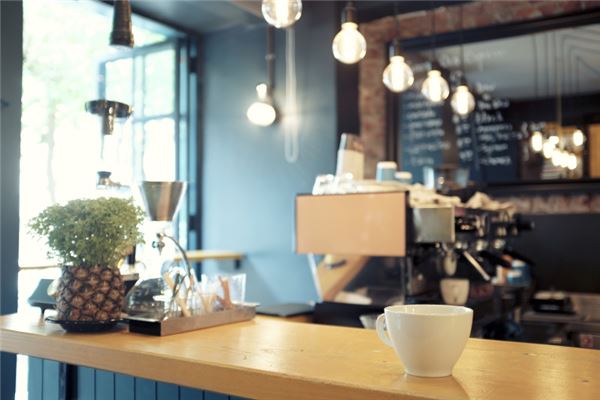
90, 232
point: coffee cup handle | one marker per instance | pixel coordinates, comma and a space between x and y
382, 331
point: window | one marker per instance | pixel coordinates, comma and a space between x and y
67, 62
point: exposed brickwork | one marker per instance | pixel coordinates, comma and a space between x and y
557, 204
379, 32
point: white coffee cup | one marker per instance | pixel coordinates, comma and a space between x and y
455, 291
386, 171
429, 339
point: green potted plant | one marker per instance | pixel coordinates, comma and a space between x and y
90, 237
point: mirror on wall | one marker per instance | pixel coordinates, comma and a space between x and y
536, 116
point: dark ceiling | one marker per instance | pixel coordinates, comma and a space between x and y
195, 16
204, 16
371, 10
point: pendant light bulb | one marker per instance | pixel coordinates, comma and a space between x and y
578, 138
572, 163
462, 101
281, 13
435, 88
398, 75
554, 140
349, 45
537, 141
564, 159
556, 158
262, 112
548, 149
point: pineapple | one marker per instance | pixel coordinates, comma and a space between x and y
90, 293
90, 236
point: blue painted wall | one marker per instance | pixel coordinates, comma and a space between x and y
248, 188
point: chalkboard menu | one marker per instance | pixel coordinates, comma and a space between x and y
422, 136
486, 141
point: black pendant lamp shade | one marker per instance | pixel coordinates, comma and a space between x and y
122, 33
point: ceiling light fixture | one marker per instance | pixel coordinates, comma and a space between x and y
463, 102
398, 75
560, 157
435, 88
537, 141
122, 33
349, 45
281, 13
578, 138
564, 158
262, 112
572, 163
548, 149
556, 157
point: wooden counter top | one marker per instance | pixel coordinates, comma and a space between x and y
204, 255
272, 359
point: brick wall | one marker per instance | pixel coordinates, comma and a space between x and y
574, 203
378, 33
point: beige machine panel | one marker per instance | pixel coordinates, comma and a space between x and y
371, 224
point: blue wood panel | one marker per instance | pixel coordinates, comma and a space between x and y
91, 384
105, 385
186, 393
215, 396
35, 374
124, 387
145, 389
51, 380
86, 383
166, 391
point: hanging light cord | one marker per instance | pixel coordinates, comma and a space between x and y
462, 44
432, 32
291, 120
396, 22
350, 4
558, 86
474, 140
270, 59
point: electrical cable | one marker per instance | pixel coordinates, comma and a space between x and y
291, 122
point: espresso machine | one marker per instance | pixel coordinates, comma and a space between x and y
427, 243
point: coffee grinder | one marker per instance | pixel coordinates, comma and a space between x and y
169, 290
111, 115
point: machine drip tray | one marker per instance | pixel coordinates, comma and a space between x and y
346, 314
